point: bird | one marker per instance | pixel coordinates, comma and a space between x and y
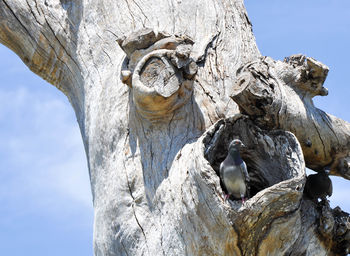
318, 185
233, 172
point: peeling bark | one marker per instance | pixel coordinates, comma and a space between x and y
151, 85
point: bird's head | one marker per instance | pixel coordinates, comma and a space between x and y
236, 144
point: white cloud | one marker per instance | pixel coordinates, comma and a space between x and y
41, 152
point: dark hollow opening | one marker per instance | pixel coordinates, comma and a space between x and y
265, 165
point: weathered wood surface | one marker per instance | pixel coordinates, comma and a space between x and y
279, 96
155, 113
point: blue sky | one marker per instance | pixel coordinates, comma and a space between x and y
45, 197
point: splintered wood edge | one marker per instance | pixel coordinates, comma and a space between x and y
242, 82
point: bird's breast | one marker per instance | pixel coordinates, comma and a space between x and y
234, 180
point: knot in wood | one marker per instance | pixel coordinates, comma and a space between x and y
159, 87
160, 72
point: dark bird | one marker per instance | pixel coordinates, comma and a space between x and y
233, 172
318, 185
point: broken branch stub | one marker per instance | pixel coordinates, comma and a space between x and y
278, 95
159, 72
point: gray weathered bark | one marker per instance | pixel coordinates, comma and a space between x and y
151, 85
279, 96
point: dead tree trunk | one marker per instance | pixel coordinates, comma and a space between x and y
152, 83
